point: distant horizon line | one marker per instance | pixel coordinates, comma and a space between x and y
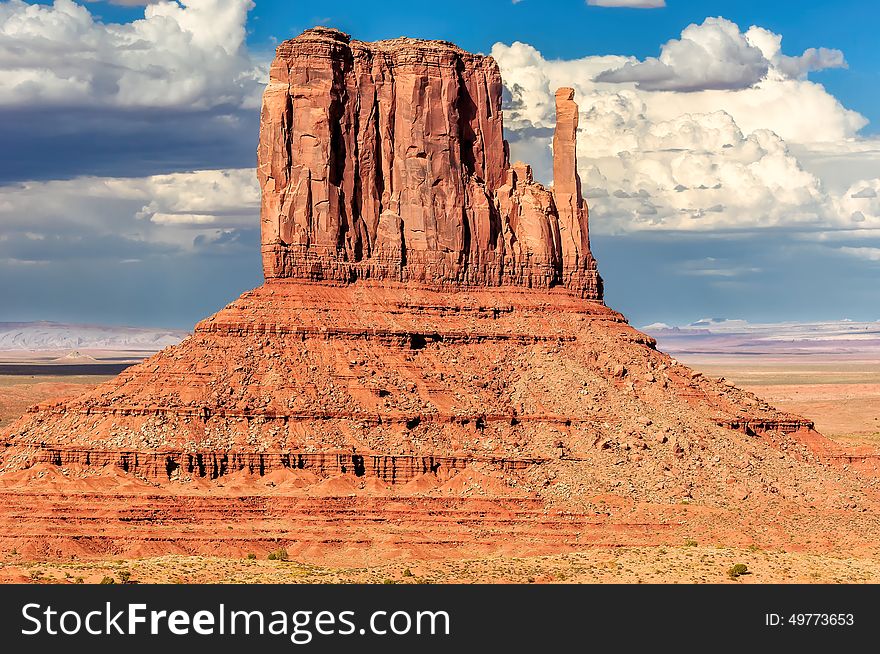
655, 325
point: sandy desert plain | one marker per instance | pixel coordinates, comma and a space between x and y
836, 384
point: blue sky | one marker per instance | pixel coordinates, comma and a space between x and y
125, 196
571, 29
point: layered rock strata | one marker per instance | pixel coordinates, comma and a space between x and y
387, 161
392, 382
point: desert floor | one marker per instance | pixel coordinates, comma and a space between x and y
683, 564
18, 392
842, 398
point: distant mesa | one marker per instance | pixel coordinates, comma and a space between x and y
76, 356
836, 340
56, 336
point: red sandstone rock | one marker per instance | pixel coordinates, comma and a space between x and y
574, 229
387, 160
389, 381
431, 324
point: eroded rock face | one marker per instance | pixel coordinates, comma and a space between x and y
387, 160
578, 264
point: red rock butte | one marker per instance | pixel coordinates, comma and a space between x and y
429, 368
387, 161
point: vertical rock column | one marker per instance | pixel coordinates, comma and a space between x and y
578, 266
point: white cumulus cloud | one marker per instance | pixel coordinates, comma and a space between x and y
716, 55
187, 55
207, 196
700, 160
115, 218
859, 205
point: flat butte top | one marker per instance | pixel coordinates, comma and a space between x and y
328, 42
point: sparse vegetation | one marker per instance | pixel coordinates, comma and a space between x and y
251, 556
108, 580
278, 555
408, 573
690, 543
124, 576
679, 564
738, 570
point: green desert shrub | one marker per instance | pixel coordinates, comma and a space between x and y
278, 555
738, 570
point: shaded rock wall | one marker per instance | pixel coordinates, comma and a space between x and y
173, 464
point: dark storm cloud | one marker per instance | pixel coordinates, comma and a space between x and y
59, 143
528, 132
176, 90
228, 242
61, 248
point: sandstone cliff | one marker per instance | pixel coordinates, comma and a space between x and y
387, 161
